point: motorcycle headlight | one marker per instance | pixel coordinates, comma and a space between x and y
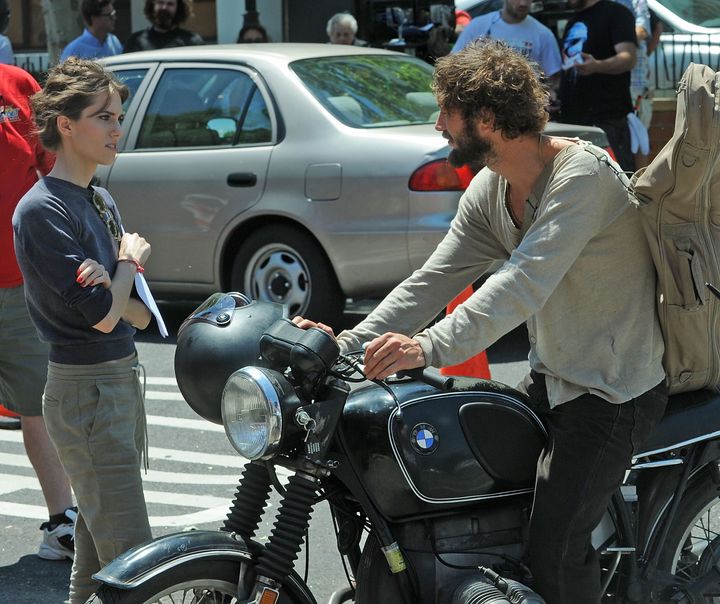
252, 412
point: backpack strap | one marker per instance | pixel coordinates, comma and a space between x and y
626, 181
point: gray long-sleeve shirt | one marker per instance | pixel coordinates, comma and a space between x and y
578, 271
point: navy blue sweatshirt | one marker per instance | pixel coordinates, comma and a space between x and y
56, 227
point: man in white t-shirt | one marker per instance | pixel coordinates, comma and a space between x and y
514, 26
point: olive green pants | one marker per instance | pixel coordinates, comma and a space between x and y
95, 417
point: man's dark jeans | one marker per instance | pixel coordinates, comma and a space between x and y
590, 447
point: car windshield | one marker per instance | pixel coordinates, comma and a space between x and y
370, 91
699, 12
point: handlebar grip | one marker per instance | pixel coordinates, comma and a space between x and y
430, 376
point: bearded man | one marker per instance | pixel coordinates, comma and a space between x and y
576, 268
165, 17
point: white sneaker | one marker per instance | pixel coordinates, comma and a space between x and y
59, 542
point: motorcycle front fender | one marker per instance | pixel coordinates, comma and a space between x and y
140, 564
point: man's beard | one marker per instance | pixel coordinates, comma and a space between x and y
471, 149
163, 19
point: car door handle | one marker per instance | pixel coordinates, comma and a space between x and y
242, 179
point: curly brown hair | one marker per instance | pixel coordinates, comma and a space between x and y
489, 78
183, 13
71, 87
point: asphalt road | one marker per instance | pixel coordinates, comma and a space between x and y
190, 484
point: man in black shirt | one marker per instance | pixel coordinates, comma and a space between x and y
165, 31
599, 50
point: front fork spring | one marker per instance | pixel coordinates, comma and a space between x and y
276, 561
251, 497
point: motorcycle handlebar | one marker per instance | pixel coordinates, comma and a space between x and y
430, 376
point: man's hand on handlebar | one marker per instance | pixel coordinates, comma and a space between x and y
390, 353
385, 355
307, 324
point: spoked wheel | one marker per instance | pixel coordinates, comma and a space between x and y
210, 592
190, 583
193, 582
692, 549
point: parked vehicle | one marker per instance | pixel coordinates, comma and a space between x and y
427, 478
691, 32
297, 173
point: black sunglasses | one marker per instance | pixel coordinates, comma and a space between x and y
106, 216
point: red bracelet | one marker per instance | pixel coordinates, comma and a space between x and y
139, 267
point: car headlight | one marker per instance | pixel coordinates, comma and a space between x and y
252, 413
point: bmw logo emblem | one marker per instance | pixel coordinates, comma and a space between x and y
425, 439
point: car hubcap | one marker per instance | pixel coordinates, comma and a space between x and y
277, 273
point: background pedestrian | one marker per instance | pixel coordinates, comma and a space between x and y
342, 29
23, 357
599, 48
252, 34
97, 40
165, 17
6, 49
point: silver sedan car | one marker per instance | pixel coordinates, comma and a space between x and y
305, 174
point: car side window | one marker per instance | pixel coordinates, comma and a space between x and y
132, 78
255, 126
204, 108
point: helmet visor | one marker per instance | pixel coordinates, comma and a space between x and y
217, 310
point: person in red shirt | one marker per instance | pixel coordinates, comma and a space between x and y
23, 357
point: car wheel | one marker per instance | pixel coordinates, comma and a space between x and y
282, 264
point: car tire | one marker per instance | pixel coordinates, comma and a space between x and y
283, 264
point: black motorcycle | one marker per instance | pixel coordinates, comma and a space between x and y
429, 480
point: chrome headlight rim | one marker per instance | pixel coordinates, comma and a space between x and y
272, 402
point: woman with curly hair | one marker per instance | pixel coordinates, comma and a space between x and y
78, 288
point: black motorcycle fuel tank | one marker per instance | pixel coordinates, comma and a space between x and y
479, 441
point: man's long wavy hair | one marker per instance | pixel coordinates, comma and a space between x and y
70, 88
183, 13
489, 80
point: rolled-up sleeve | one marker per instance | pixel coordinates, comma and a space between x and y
47, 241
467, 251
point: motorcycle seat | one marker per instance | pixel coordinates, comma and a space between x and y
689, 417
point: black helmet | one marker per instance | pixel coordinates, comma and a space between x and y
220, 337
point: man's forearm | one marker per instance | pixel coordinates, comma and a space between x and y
619, 63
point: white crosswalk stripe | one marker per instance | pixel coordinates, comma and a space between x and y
200, 484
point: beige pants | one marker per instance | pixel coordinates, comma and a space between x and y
96, 419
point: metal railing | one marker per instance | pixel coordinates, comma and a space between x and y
676, 51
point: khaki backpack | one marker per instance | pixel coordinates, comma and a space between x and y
678, 195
